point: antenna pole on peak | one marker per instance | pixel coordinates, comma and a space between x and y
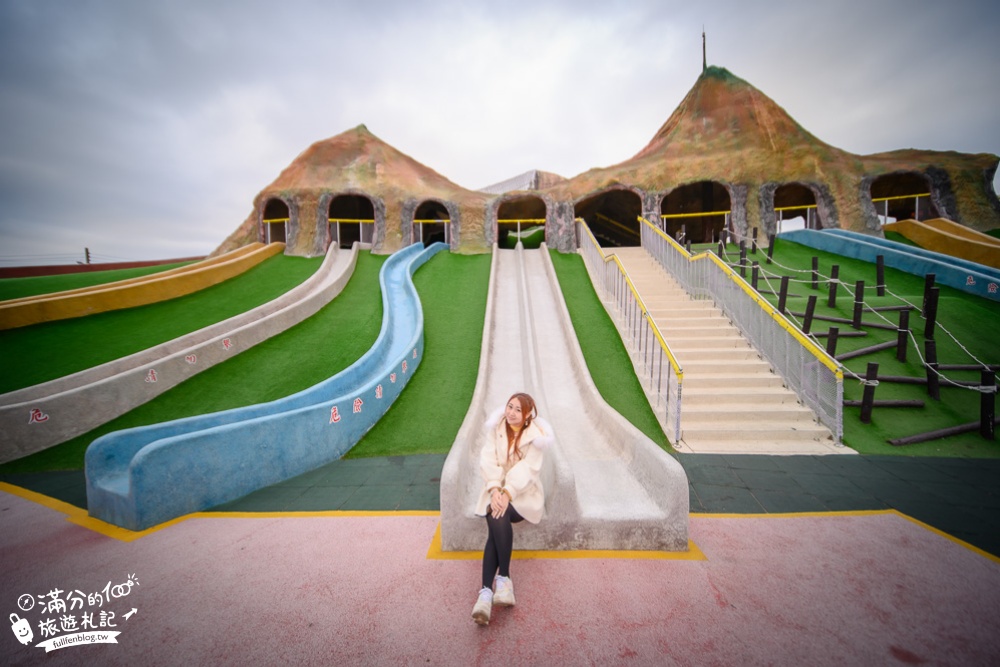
704, 60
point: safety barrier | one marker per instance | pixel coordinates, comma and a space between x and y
661, 372
813, 375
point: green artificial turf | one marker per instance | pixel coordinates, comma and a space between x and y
973, 321
298, 358
50, 350
429, 412
605, 354
17, 288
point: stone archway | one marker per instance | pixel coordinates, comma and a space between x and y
520, 217
905, 195
697, 211
612, 216
275, 221
431, 223
795, 208
350, 218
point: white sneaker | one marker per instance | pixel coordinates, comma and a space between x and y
481, 612
505, 592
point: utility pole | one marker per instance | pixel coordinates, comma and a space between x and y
704, 59
86, 254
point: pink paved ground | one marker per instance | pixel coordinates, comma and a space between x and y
811, 590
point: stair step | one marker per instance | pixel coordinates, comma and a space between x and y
698, 367
748, 432
736, 396
729, 380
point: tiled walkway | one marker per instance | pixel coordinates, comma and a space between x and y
960, 497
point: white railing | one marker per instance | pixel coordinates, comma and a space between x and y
815, 377
656, 366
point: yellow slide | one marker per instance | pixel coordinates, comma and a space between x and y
135, 291
950, 238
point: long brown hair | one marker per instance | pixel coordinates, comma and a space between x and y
529, 412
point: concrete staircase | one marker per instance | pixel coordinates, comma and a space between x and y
732, 401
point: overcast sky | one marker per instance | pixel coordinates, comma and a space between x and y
143, 130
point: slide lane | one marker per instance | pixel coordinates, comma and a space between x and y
144, 476
954, 272
607, 485
135, 291
950, 238
35, 418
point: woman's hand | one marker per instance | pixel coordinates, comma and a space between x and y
498, 503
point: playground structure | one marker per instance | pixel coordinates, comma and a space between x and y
728, 158
354, 188
74, 404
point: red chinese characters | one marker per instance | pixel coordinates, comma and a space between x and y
334, 415
36, 416
357, 405
151, 375
378, 391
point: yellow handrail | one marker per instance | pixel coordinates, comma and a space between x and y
664, 216
645, 312
349, 220
925, 194
615, 223
794, 208
512, 221
782, 321
274, 221
431, 221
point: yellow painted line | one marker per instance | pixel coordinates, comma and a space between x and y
79, 516
851, 513
693, 553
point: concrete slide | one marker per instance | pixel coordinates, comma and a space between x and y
950, 238
954, 272
134, 291
141, 477
607, 485
38, 417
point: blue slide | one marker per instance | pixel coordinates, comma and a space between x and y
144, 476
954, 272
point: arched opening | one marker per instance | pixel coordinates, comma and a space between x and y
903, 196
521, 218
613, 217
795, 208
430, 223
351, 218
696, 211
275, 220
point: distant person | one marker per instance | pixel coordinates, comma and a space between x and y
510, 463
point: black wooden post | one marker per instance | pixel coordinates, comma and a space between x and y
753, 246
831, 341
754, 274
880, 275
859, 303
930, 312
834, 274
987, 405
815, 272
722, 248
810, 309
902, 334
770, 248
928, 284
688, 246
783, 295
743, 259
868, 396
930, 361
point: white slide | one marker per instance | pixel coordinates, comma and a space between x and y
38, 417
607, 485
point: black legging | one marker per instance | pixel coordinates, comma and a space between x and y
499, 544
